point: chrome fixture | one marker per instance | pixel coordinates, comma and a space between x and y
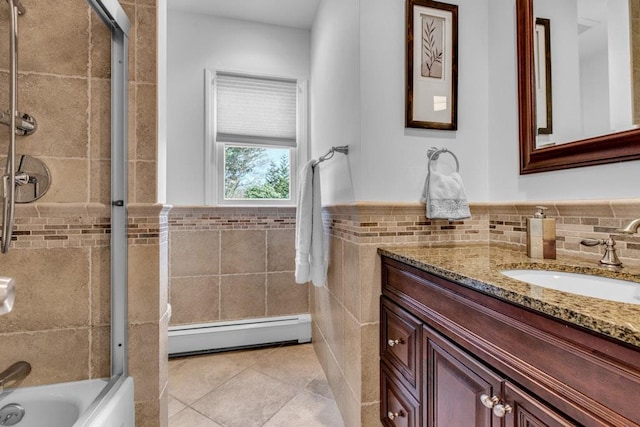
631, 228
344, 149
19, 123
14, 374
11, 414
7, 294
610, 257
32, 179
25, 124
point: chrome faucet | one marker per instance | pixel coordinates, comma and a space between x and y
610, 257
14, 374
631, 228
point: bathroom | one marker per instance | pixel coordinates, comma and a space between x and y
356, 70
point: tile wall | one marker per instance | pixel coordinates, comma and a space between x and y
60, 255
248, 270
346, 312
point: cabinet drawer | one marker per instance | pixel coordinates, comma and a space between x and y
400, 338
398, 408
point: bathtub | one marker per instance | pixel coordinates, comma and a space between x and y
89, 403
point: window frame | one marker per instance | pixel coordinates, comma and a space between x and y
214, 150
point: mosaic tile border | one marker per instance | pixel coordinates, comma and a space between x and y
211, 218
71, 225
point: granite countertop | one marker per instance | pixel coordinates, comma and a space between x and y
478, 267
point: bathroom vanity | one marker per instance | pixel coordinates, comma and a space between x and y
464, 345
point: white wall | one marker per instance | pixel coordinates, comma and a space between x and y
196, 42
388, 162
335, 96
619, 180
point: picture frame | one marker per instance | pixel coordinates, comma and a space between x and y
431, 98
542, 63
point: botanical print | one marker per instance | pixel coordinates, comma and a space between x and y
432, 46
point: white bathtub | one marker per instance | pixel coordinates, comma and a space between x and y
90, 403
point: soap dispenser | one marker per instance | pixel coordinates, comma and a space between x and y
541, 235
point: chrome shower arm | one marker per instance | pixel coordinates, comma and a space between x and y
18, 5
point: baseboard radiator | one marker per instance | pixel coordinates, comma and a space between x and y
237, 334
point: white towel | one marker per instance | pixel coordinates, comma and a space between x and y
311, 261
445, 197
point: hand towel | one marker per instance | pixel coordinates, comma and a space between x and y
445, 197
311, 260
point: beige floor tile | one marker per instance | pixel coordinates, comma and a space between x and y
175, 406
320, 386
296, 365
308, 410
192, 378
249, 399
190, 418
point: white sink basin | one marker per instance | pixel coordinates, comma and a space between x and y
580, 284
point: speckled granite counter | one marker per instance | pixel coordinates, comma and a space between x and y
479, 266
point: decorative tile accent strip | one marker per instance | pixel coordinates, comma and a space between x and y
69, 225
196, 218
368, 223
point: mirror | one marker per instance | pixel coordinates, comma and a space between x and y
575, 83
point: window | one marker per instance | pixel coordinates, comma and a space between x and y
253, 134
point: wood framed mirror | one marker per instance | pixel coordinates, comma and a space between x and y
606, 147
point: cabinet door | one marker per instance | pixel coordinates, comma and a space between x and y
454, 385
400, 342
398, 407
524, 410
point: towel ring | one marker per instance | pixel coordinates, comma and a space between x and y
434, 153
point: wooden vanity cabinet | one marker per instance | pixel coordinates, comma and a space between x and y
464, 358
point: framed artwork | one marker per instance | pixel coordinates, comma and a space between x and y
542, 63
431, 65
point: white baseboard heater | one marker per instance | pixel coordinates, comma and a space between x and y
212, 337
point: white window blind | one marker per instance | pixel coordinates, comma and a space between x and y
255, 110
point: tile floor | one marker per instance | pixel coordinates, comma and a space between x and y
273, 387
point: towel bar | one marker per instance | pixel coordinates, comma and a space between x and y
433, 154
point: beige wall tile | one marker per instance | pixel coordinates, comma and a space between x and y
145, 184
48, 353
335, 269
371, 415
100, 119
194, 253
69, 180
370, 347
146, 134
195, 299
321, 310
144, 359
244, 251
148, 413
146, 44
100, 286
66, 53
351, 277
65, 103
281, 250
285, 296
242, 296
44, 299
335, 329
349, 406
100, 357
353, 356
144, 279
100, 184
370, 284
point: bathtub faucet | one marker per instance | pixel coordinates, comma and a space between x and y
14, 374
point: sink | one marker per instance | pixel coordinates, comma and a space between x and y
580, 284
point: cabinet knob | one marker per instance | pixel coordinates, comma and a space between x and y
489, 402
501, 410
393, 343
393, 415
